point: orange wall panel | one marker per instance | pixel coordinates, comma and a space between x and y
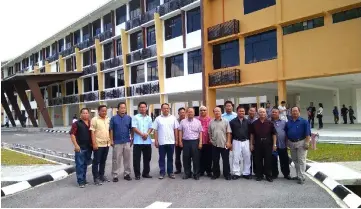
259, 71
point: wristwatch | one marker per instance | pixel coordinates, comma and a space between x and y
275, 145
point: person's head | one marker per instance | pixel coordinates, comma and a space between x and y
102, 111
252, 112
320, 105
203, 111
295, 112
217, 112
122, 108
334, 107
84, 113
190, 112
240, 112
142, 108
275, 113
283, 103
311, 104
262, 113
228, 106
350, 107
268, 105
182, 113
343, 105
165, 109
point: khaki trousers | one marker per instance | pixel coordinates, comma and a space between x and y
121, 151
298, 155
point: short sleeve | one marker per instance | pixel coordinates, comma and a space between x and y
134, 122
74, 129
93, 124
273, 129
155, 124
200, 128
130, 122
111, 123
307, 127
176, 124
150, 123
229, 130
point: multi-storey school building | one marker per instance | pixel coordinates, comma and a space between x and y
189, 52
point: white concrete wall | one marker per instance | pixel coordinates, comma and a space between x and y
173, 45
58, 116
53, 67
190, 82
118, 28
357, 107
193, 39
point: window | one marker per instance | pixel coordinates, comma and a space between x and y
151, 36
226, 55
346, 15
86, 58
47, 52
137, 74
109, 80
174, 66
134, 9
42, 91
306, 25
76, 37
41, 55
152, 71
121, 14
151, 4
194, 61
53, 48
107, 22
193, 20
95, 78
119, 47
96, 27
54, 91
69, 88
173, 27
76, 87
61, 45
120, 78
255, 5
69, 64
86, 32
261, 47
87, 84
108, 49
94, 56
136, 41
36, 57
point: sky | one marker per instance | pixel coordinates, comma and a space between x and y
26, 23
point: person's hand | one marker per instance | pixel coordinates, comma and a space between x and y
95, 147
274, 148
112, 143
200, 146
228, 145
307, 145
252, 147
156, 143
180, 144
176, 143
131, 142
145, 136
77, 148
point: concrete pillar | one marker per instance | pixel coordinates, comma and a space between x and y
282, 91
163, 98
130, 106
298, 100
236, 103
258, 102
190, 103
336, 99
357, 107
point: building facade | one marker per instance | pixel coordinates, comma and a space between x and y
189, 52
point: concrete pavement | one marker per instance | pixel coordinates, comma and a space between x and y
181, 193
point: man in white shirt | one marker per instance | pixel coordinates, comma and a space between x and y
283, 111
165, 136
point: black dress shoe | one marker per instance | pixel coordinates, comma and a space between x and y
269, 179
201, 174
137, 178
274, 177
115, 179
259, 179
177, 172
147, 176
288, 177
209, 174
246, 176
185, 177
235, 177
228, 178
196, 177
128, 178
214, 177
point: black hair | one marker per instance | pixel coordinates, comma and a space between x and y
283, 102
121, 103
240, 107
296, 107
164, 104
181, 108
140, 103
101, 106
275, 109
82, 109
320, 104
228, 102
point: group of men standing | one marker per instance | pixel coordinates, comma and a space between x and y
202, 140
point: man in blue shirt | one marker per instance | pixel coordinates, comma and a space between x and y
142, 127
229, 114
298, 134
120, 135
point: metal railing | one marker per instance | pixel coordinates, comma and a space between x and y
143, 89
148, 16
90, 69
86, 44
142, 54
71, 99
118, 92
224, 29
52, 58
68, 51
55, 101
169, 7
111, 63
133, 23
89, 96
226, 77
105, 35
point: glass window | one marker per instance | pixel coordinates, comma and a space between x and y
136, 41
86, 58
173, 27
226, 54
76, 87
61, 45
174, 66
306, 25
69, 88
193, 20
120, 78
347, 15
151, 4
94, 55
87, 84
151, 36
137, 74
121, 14
54, 91
108, 49
152, 71
109, 80
255, 5
261, 47
119, 47
96, 88
194, 61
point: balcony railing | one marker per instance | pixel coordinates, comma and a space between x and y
89, 97
90, 69
142, 54
169, 7
148, 16
86, 44
111, 63
71, 99
113, 93
224, 29
143, 89
226, 77
133, 23
105, 35
42, 70
68, 51
53, 57
55, 101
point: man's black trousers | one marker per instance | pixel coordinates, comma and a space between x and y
138, 150
190, 154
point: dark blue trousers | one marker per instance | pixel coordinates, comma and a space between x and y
99, 159
166, 150
81, 163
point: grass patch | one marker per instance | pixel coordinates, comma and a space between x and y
9, 157
335, 153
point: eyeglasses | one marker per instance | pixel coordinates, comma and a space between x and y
203, 110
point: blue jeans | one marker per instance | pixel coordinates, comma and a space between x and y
81, 159
166, 150
99, 159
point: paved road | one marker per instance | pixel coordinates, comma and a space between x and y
181, 193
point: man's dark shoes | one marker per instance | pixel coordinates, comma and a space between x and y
115, 179
127, 177
196, 177
97, 182
137, 177
214, 177
209, 174
201, 174
177, 172
235, 177
274, 177
172, 176
147, 176
104, 179
259, 179
294, 178
185, 177
268, 178
246, 176
81, 185
288, 177
228, 177
300, 181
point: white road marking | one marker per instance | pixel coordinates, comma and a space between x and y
158, 204
20, 134
11, 189
59, 175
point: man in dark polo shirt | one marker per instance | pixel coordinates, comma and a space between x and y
120, 135
178, 149
263, 142
81, 138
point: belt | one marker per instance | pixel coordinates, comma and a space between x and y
242, 140
295, 140
263, 139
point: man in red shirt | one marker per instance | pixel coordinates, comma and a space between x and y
206, 151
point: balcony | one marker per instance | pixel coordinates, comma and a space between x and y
142, 54
170, 6
86, 44
55, 101
68, 51
143, 89
105, 35
90, 69
71, 99
53, 58
133, 23
113, 93
89, 97
42, 70
222, 30
225, 77
148, 16
111, 63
